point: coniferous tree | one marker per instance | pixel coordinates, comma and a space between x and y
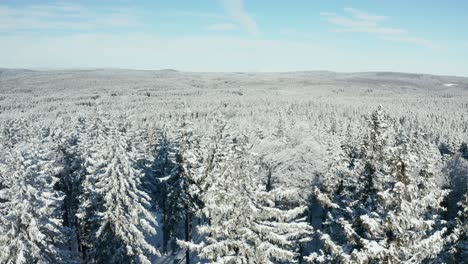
115, 215
96, 135
387, 209
245, 226
460, 251
166, 171
456, 250
187, 181
13, 132
456, 169
30, 207
70, 177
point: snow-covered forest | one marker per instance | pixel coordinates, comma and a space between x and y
120, 166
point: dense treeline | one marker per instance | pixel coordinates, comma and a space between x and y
159, 167
99, 195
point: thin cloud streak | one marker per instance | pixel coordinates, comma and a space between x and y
363, 22
222, 27
364, 16
63, 16
203, 15
235, 9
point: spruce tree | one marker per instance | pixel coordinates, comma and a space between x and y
387, 209
458, 239
165, 170
245, 225
187, 181
30, 207
95, 138
70, 177
115, 217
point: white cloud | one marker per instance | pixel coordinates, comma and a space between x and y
363, 22
364, 16
203, 15
409, 39
235, 9
62, 16
222, 27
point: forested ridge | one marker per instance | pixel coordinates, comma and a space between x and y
188, 174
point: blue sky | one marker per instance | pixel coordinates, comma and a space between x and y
236, 35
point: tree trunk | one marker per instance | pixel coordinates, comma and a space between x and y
188, 233
301, 254
269, 184
165, 230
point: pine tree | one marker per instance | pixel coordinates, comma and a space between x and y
187, 180
14, 131
390, 211
462, 220
458, 239
115, 216
30, 206
244, 225
72, 171
95, 138
163, 170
